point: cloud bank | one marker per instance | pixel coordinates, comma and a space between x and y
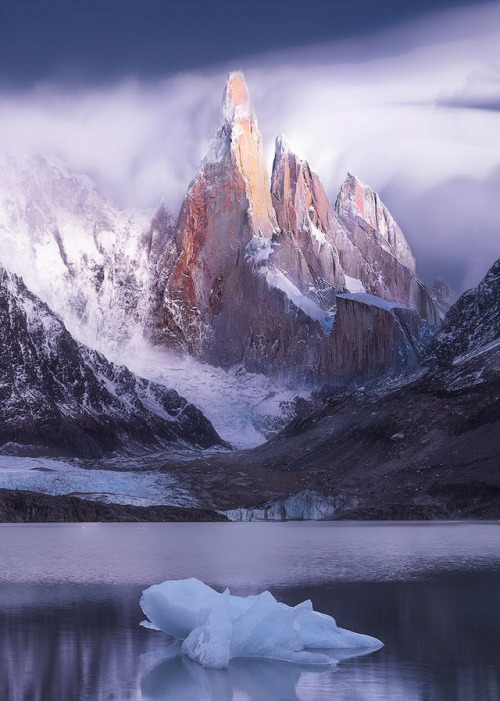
414, 111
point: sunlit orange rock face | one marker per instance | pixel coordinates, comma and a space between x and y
248, 153
255, 271
236, 93
227, 205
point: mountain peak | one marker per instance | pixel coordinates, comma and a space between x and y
282, 147
352, 180
358, 202
236, 99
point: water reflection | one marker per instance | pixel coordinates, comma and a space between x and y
179, 679
83, 642
176, 678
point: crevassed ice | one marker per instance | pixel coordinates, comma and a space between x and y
217, 627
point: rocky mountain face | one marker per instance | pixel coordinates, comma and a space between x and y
472, 324
255, 271
272, 276
59, 397
263, 274
443, 296
388, 268
424, 446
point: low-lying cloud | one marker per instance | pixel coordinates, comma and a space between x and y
414, 112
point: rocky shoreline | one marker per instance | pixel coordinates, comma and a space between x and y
474, 501
18, 506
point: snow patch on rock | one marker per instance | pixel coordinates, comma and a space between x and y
275, 278
373, 301
353, 285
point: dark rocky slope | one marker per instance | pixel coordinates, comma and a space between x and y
59, 397
473, 322
426, 446
18, 506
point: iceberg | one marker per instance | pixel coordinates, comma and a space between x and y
215, 628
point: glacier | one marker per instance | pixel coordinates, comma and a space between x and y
255, 406
216, 628
306, 505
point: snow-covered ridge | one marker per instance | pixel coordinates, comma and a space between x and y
76, 251
473, 322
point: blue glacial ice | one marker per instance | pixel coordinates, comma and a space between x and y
215, 628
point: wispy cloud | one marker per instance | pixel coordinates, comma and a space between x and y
413, 111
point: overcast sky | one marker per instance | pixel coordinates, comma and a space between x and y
406, 95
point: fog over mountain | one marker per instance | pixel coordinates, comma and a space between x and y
414, 110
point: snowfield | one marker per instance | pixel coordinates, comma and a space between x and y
245, 408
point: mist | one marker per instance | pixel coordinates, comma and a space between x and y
414, 112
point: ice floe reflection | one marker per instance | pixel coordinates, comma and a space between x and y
171, 676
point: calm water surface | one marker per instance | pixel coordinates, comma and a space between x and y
69, 609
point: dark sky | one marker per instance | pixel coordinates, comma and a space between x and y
93, 41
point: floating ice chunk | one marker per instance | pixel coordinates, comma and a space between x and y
318, 630
210, 643
179, 606
217, 627
149, 625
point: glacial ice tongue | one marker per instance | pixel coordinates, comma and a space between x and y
217, 627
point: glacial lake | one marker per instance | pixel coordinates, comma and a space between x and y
69, 613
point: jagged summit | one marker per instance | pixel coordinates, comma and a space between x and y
358, 246
236, 99
366, 216
250, 271
281, 145
259, 269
